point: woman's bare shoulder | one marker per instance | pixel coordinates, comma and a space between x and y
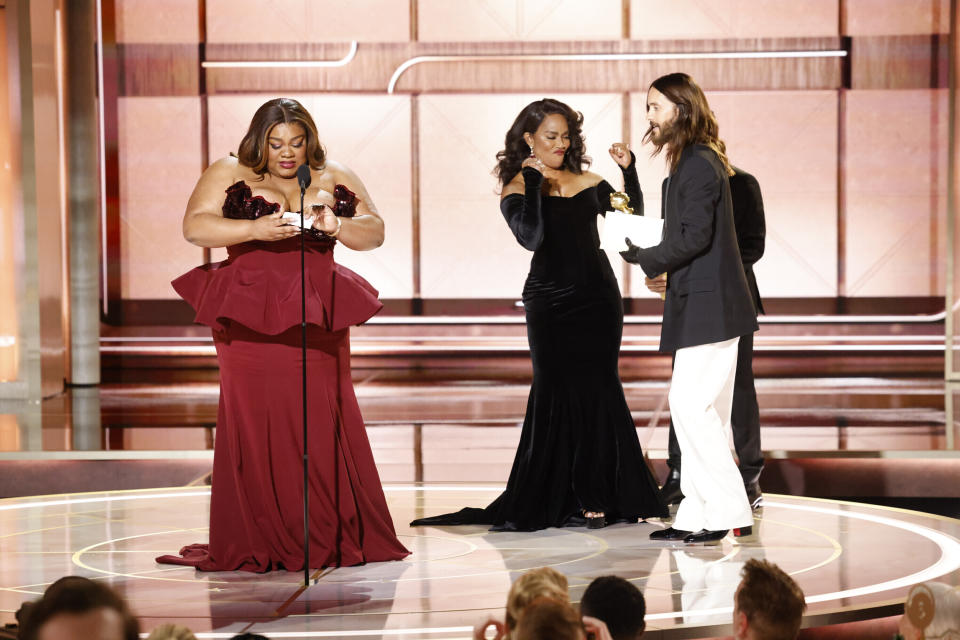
229, 170
590, 179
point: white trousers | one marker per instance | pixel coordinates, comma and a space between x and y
701, 397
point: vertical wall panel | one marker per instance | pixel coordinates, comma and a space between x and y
655, 20
894, 168
468, 250
167, 22
896, 192
896, 17
788, 140
493, 20
371, 135
11, 253
293, 21
159, 142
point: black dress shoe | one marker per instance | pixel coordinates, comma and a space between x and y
705, 535
669, 534
670, 492
754, 497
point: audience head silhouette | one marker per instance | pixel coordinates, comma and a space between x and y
617, 602
75, 608
536, 583
549, 619
768, 604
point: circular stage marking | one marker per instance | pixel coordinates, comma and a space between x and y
948, 561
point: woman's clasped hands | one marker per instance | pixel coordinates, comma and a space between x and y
272, 227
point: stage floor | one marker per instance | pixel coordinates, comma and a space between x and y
853, 561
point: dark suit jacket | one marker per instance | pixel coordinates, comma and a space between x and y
707, 297
750, 224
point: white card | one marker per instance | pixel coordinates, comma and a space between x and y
643, 231
292, 217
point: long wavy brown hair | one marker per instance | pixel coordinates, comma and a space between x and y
252, 150
695, 123
516, 150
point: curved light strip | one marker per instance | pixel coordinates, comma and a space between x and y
949, 561
592, 57
440, 339
362, 349
637, 319
121, 498
282, 64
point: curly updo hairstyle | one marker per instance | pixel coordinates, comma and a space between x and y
516, 149
253, 147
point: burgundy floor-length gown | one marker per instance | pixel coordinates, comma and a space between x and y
252, 302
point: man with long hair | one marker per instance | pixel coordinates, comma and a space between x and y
707, 306
751, 228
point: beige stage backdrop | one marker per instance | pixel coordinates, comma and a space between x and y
850, 152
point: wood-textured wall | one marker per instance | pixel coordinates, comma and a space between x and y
849, 150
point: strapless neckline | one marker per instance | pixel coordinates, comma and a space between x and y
578, 193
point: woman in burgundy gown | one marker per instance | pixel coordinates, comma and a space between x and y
579, 460
251, 301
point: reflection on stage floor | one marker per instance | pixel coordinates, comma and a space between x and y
852, 561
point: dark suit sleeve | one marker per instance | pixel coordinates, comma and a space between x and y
522, 211
748, 217
631, 185
699, 191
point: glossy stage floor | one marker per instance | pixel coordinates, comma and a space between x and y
853, 562
857, 411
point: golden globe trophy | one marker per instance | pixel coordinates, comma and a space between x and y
621, 201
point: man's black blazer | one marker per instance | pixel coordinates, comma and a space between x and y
707, 298
751, 226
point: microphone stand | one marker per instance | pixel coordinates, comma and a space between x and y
303, 177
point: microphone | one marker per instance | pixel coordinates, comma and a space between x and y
303, 177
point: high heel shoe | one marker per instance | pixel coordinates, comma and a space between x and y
595, 519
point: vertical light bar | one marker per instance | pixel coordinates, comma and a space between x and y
9, 303
953, 178
62, 182
102, 143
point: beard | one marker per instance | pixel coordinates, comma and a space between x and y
659, 135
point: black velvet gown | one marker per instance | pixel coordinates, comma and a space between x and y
578, 449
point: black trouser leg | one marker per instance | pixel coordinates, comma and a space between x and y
673, 450
673, 447
745, 416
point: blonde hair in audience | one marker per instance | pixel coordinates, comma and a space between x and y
171, 632
536, 583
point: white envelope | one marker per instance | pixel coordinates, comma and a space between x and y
292, 217
643, 231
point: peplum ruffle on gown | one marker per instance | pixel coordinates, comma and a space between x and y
252, 303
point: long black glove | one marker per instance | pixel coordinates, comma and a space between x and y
522, 212
632, 254
631, 185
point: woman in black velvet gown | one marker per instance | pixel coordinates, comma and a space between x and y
579, 460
